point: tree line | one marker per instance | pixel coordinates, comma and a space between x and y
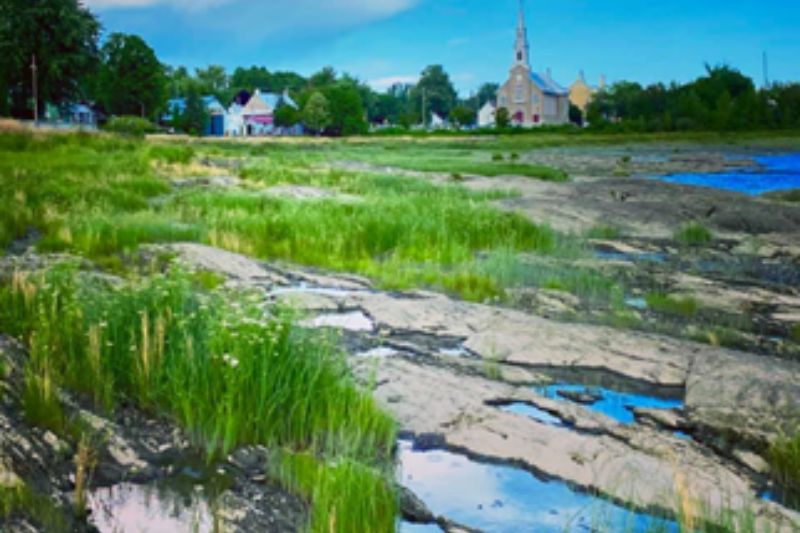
123, 76
722, 99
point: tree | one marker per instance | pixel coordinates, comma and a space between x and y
214, 80
346, 109
487, 93
434, 92
575, 115
131, 80
463, 116
502, 118
195, 117
316, 115
62, 34
286, 116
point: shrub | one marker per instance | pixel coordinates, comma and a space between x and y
457, 176
514, 156
784, 460
130, 126
693, 234
497, 157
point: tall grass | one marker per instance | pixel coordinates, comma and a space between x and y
227, 372
784, 460
24, 502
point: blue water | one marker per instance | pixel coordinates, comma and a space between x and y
781, 172
408, 527
636, 257
614, 404
503, 499
535, 413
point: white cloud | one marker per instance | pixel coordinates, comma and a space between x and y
382, 84
272, 16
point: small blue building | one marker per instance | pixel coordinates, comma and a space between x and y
215, 127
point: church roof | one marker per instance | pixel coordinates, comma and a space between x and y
547, 85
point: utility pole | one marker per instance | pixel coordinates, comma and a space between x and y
424, 107
765, 66
35, 82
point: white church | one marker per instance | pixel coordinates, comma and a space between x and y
532, 99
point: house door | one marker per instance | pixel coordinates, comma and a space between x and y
519, 117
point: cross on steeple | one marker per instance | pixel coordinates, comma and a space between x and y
521, 47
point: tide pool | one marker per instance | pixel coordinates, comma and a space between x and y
780, 172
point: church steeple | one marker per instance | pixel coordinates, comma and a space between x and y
521, 48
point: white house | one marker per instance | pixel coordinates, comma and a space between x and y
487, 115
437, 122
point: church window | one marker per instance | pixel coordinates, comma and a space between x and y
519, 56
519, 93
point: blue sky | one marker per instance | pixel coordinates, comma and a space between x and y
385, 40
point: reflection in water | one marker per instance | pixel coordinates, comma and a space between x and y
129, 508
509, 500
617, 405
408, 527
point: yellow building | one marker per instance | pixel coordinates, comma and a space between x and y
532, 99
581, 93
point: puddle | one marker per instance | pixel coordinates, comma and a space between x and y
501, 498
540, 415
129, 508
380, 352
637, 303
455, 352
614, 404
408, 527
353, 321
780, 172
631, 257
305, 288
682, 435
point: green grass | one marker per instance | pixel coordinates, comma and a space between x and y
693, 234
346, 496
672, 305
23, 502
603, 232
223, 370
784, 460
794, 333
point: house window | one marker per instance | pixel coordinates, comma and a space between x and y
535, 98
502, 101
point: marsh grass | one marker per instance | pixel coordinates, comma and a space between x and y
784, 460
346, 495
693, 234
24, 502
228, 373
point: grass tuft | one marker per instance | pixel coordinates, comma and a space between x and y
784, 460
693, 234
